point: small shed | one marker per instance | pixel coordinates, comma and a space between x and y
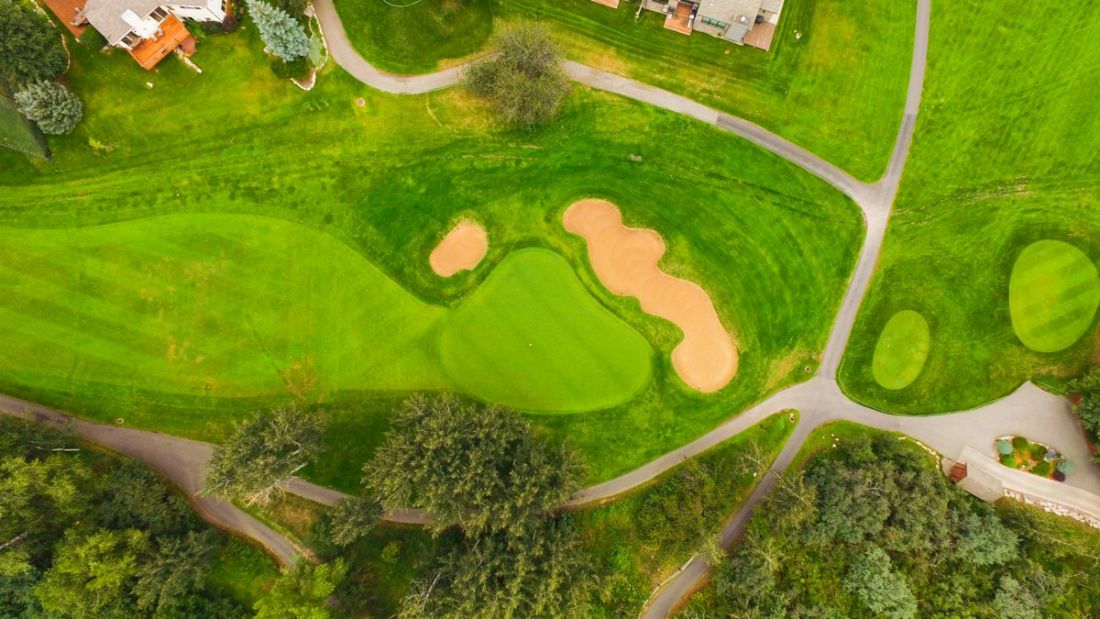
958, 472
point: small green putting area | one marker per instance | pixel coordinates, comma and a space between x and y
533, 338
1052, 295
406, 36
901, 350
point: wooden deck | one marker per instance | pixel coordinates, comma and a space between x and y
611, 3
761, 36
680, 19
70, 13
150, 51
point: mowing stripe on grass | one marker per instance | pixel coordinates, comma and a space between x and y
1053, 295
901, 350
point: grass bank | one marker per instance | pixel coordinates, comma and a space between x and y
1003, 157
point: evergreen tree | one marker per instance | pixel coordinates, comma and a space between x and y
30, 50
352, 518
301, 592
479, 467
1014, 601
280, 31
263, 452
985, 541
54, 108
92, 574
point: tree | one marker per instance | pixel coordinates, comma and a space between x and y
263, 452
175, 572
36, 496
541, 573
280, 31
92, 574
1088, 407
524, 81
479, 467
135, 498
881, 590
54, 108
1004, 446
30, 50
1014, 601
301, 592
984, 540
352, 518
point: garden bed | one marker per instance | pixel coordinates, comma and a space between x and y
1029, 456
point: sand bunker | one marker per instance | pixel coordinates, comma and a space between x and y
462, 249
625, 259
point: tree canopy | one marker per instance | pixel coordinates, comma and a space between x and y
280, 31
54, 108
263, 452
30, 50
479, 467
524, 82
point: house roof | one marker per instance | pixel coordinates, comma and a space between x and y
730, 10
106, 15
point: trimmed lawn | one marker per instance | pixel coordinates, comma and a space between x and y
1052, 295
901, 350
531, 337
377, 185
1004, 156
833, 82
416, 37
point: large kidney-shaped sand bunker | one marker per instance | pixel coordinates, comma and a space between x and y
462, 249
625, 259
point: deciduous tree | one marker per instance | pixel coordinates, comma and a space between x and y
30, 50
882, 590
301, 592
524, 82
92, 573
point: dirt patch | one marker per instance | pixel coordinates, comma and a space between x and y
462, 249
625, 259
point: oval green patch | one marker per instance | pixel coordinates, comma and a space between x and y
1052, 295
533, 338
901, 350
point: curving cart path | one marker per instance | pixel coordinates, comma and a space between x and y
1027, 411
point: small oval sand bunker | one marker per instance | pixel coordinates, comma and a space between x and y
625, 259
461, 250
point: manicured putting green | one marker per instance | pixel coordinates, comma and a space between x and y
901, 350
1052, 295
531, 336
243, 306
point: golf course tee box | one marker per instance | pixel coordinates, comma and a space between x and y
626, 262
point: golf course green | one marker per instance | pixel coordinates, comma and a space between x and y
1052, 295
901, 350
241, 305
532, 337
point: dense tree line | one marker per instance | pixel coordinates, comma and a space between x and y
873, 529
492, 488
85, 535
1088, 404
31, 56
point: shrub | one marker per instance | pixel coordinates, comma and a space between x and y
280, 31
1009, 461
53, 107
30, 50
1064, 467
1004, 446
1019, 442
524, 82
1042, 469
1038, 452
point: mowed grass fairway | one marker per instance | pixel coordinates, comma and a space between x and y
901, 350
834, 80
383, 182
1052, 295
532, 337
1006, 154
416, 37
16, 132
243, 306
